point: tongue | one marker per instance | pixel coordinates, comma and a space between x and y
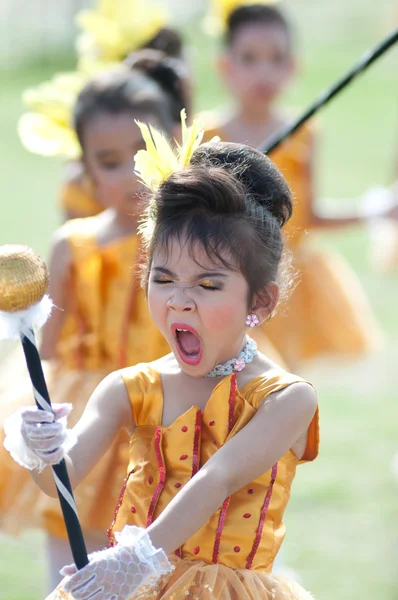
189, 342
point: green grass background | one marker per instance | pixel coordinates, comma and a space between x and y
342, 519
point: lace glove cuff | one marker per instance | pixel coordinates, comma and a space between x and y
117, 573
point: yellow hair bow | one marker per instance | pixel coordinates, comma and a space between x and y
160, 159
118, 27
220, 10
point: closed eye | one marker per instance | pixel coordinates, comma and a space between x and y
209, 286
162, 280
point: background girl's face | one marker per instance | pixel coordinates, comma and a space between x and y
188, 291
258, 65
110, 144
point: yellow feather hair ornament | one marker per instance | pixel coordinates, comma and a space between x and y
118, 27
160, 159
47, 129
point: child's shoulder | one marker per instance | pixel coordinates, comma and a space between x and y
143, 375
77, 231
75, 240
266, 378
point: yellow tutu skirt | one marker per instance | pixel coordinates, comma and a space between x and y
196, 580
327, 314
22, 504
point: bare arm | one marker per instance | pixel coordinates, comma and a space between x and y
107, 411
59, 269
277, 425
317, 219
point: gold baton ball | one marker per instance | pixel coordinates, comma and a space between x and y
23, 278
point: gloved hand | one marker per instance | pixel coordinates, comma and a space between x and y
37, 438
116, 573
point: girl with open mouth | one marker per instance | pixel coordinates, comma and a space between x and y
217, 429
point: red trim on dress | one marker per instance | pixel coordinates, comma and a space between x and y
162, 478
263, 516
116, 511
219, 531
224, 508
195, 456
232, 398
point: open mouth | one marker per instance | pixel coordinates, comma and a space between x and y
188, 343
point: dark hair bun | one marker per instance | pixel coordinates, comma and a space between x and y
200, 189
255, 13
169, 73
168, 41
259, 176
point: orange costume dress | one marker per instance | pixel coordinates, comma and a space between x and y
328, 313
231, 556
108, 326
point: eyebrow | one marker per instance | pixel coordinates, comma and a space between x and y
199, 276
105, 152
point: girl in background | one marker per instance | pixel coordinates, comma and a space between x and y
101, 322
328, 313
110, 34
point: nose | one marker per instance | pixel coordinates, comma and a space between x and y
179, 301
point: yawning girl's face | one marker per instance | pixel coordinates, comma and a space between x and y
199, 306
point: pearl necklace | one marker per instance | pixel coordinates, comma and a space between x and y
236, 364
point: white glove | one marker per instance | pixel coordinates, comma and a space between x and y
38, 438
117, 573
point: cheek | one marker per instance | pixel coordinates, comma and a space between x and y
227, 316
281, 75
108, 182
237, 76
157, 303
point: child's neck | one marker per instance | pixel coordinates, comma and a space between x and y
255, 115
253, 127
114, 225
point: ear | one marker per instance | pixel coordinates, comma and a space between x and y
265, 302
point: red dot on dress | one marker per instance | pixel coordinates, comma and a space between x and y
133, 509
184, 429
177, 485
150, 480
247, 516
183, 456
237, 549
250, 491
197, 550
212, 423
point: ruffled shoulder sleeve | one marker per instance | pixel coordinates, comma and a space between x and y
144, 388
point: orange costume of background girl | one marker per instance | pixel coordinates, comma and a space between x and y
328, 312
